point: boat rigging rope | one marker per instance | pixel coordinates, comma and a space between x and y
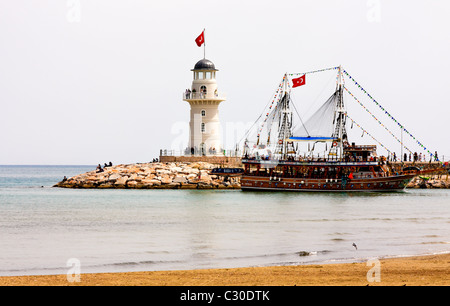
367, 110
277, 97
364, 131
277, 92
309, 72
386, 112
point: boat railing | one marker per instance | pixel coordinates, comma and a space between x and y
361, 148
312, 160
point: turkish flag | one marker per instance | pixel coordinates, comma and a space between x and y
299, 81
200, 39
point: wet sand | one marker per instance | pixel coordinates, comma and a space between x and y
433, 270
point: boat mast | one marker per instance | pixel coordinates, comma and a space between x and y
340, 132
285, 124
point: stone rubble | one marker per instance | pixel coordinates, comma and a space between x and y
431, 182
153, 176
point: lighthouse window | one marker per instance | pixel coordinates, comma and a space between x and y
203, 128
203, 113
207, 74
200, 75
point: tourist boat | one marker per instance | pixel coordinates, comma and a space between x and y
277, 166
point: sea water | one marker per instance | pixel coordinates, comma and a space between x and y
43, 228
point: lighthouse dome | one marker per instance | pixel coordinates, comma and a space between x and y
204, 64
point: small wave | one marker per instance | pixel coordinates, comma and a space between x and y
312, 253
138, 263
306, 253
337, 239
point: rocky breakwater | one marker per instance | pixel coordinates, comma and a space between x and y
430, 182
152, 176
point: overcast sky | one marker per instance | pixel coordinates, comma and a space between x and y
93, 81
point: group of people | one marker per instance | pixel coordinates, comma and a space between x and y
197, 151
187, 93
100, 169
352, 158
417, 157
191, 94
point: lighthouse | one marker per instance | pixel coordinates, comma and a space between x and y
204, 99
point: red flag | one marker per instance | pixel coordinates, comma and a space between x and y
200, 39
299, 81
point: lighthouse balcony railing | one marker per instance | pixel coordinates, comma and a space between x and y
203, 95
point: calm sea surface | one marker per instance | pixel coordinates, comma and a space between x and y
42, 227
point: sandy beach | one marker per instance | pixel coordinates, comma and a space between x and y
433, 270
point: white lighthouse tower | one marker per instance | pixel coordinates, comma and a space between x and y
204, 99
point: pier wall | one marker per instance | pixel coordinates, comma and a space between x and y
216, 160
422, 165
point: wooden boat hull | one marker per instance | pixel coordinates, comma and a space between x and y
378, 184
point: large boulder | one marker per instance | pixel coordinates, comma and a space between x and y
166, 179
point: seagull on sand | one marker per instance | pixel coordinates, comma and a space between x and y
354, 244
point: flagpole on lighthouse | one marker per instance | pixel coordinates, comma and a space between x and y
204, 45
200, 40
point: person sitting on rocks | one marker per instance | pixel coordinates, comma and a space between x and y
99, 168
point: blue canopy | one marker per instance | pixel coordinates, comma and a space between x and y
310, 138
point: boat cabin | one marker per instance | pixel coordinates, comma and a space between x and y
356, 153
